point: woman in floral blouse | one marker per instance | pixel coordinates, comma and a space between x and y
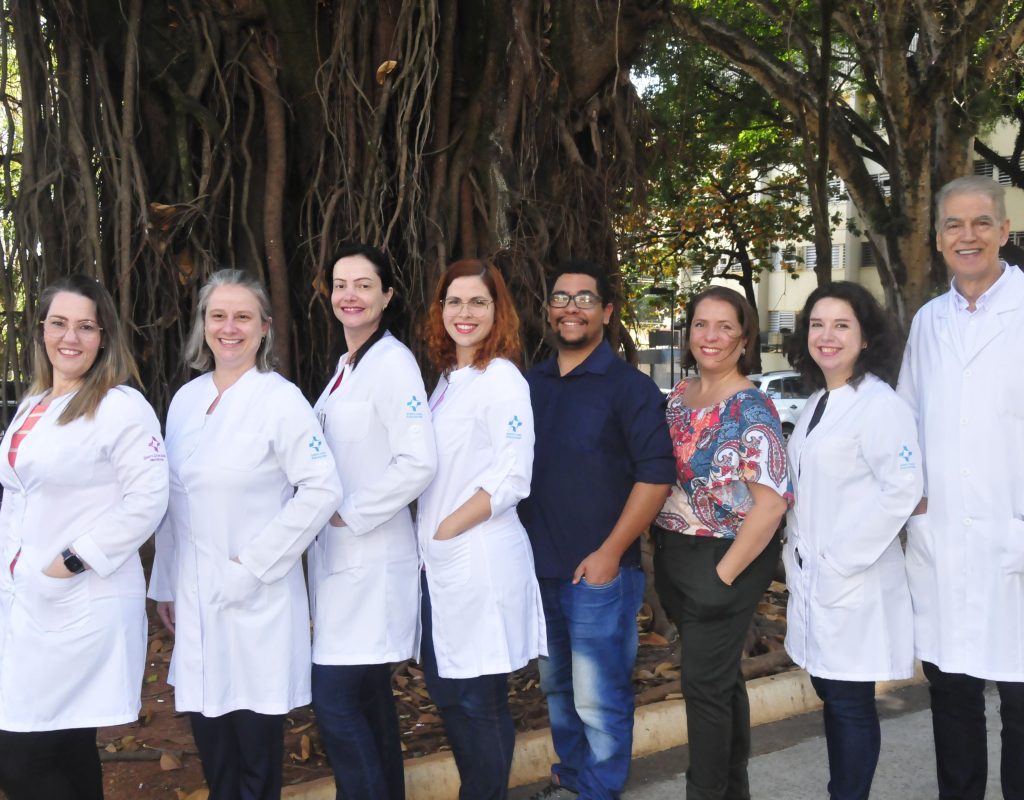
717, 547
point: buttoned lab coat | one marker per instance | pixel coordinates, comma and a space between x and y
72, 650
255, 481
965, 556
486, 609
856, 478
364, 578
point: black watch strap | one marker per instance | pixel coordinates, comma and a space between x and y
72, 562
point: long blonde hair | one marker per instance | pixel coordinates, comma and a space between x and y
114, 363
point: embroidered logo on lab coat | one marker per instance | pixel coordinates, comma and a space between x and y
316, 448
414, 406
514, 425
906, 457
157, 454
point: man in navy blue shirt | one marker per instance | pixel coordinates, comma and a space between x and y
602, 469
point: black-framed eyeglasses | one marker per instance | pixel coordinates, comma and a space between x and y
583, 300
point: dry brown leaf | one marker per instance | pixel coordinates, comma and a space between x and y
664, 667
111, 748
156, 646
199, 794
385, 69
652, 638
428, 719
305, 747
180, 794
169, 761
129, 744
301, 728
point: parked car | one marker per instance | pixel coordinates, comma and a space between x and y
787, 392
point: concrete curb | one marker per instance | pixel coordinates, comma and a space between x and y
656, 727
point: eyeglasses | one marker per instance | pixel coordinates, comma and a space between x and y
475, 305
583, 300
56, 328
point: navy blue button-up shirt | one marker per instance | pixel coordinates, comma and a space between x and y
600, 430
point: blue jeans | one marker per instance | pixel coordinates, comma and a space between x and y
358, 723
476, 718
587, 679
852, 735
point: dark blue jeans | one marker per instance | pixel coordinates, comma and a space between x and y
476, 718
587, 679
242, 754
961, 741
852, 734
358, 723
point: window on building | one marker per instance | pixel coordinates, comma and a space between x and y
838, 256
982, 167
868, 256
1017, 238
881, 180
1004, 177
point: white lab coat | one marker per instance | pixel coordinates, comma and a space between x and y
255, 481
965, 556
72, 650
364, 578
486, 609
856, 477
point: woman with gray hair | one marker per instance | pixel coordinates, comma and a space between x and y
252, 483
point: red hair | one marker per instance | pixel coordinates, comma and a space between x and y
502, 342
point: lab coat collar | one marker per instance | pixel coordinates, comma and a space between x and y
1006, 295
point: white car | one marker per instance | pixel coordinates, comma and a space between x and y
786, 390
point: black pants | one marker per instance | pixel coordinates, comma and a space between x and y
51, 765
713, 620
242, 754
961, 740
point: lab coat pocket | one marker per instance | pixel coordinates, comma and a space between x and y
342, 549
1013, 555
834, 590
451, 560
58, 604
349, 422
836, 456
239, 588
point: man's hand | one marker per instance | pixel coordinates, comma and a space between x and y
445, 531
336, 521
165, 610
598, 568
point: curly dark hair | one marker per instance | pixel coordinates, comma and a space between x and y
881, 355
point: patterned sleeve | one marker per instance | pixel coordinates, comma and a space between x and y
762, 447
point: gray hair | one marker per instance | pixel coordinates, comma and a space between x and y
197, 352
971, 184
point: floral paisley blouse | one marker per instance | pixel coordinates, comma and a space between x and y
718, 451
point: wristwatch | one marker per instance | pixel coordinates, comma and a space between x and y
72, 562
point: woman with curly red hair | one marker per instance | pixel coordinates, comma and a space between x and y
481, 607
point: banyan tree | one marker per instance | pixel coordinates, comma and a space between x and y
161, 139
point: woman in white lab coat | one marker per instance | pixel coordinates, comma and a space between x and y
85, 484
363, 567
252, 482
856, 467
481, 612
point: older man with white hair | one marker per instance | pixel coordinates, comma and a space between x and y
963, 374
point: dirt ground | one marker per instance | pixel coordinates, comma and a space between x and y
155, 758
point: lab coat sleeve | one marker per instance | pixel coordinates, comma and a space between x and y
410, 441
889, 446
304, 457
508, 416
164, 577
137, 454
909, 384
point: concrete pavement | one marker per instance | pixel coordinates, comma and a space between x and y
790, 761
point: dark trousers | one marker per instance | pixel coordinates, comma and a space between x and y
242, 754
852, 734
713, 620
476, 719
961, 743
51, 765
358, 721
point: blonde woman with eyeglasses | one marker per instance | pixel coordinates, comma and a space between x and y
85, 484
